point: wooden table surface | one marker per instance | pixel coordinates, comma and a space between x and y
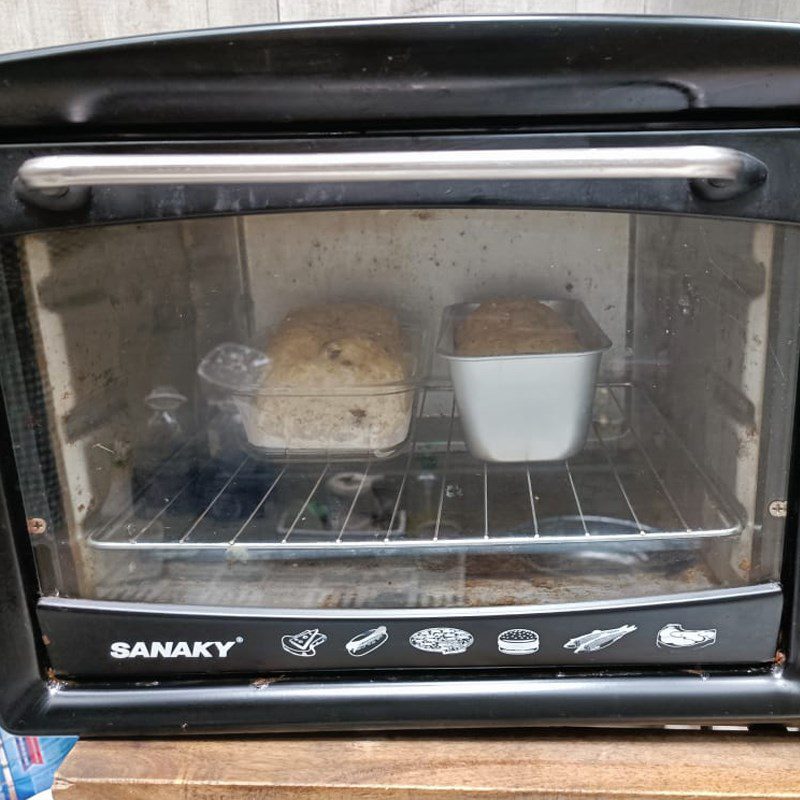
589, 765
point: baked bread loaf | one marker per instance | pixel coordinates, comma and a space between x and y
337, 379
333, 346
510, 326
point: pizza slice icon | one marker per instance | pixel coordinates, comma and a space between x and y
304, 643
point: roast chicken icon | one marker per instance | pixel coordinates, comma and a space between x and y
676, 636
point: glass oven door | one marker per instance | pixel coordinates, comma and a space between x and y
354, 438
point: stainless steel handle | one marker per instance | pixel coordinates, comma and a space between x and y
692, 161
724, 166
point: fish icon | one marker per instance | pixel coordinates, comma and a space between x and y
598, 639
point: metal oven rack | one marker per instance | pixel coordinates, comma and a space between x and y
634, 482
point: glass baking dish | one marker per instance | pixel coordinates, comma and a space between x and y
278, 418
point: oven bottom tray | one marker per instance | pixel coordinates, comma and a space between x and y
373, 582
634, 482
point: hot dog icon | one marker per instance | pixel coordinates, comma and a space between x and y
367, 642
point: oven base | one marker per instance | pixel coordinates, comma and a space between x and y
394, 702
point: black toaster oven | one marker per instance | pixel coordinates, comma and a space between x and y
402, 373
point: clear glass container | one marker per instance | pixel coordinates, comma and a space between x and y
321, 389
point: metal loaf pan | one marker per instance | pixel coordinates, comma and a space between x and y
526, 407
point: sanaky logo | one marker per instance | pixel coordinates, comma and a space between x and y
212, 649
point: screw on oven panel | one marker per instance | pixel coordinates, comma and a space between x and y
777, 508
36, 526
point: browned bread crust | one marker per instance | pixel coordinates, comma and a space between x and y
323, 361
513, 326
344, 344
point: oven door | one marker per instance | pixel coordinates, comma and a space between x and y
193, 513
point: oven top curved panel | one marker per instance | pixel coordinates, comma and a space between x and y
534, 74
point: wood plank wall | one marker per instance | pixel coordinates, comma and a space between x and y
42, 23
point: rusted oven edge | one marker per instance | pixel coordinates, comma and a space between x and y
276, 704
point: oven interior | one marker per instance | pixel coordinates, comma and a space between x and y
138, 486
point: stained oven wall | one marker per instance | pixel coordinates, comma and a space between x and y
117, 312
423, 260
702, 304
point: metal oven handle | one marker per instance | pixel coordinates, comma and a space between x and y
716, 172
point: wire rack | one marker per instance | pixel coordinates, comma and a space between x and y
634, 481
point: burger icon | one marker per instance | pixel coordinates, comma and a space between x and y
518, 642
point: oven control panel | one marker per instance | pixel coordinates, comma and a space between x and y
722, 627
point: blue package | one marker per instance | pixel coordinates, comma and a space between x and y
30, 762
